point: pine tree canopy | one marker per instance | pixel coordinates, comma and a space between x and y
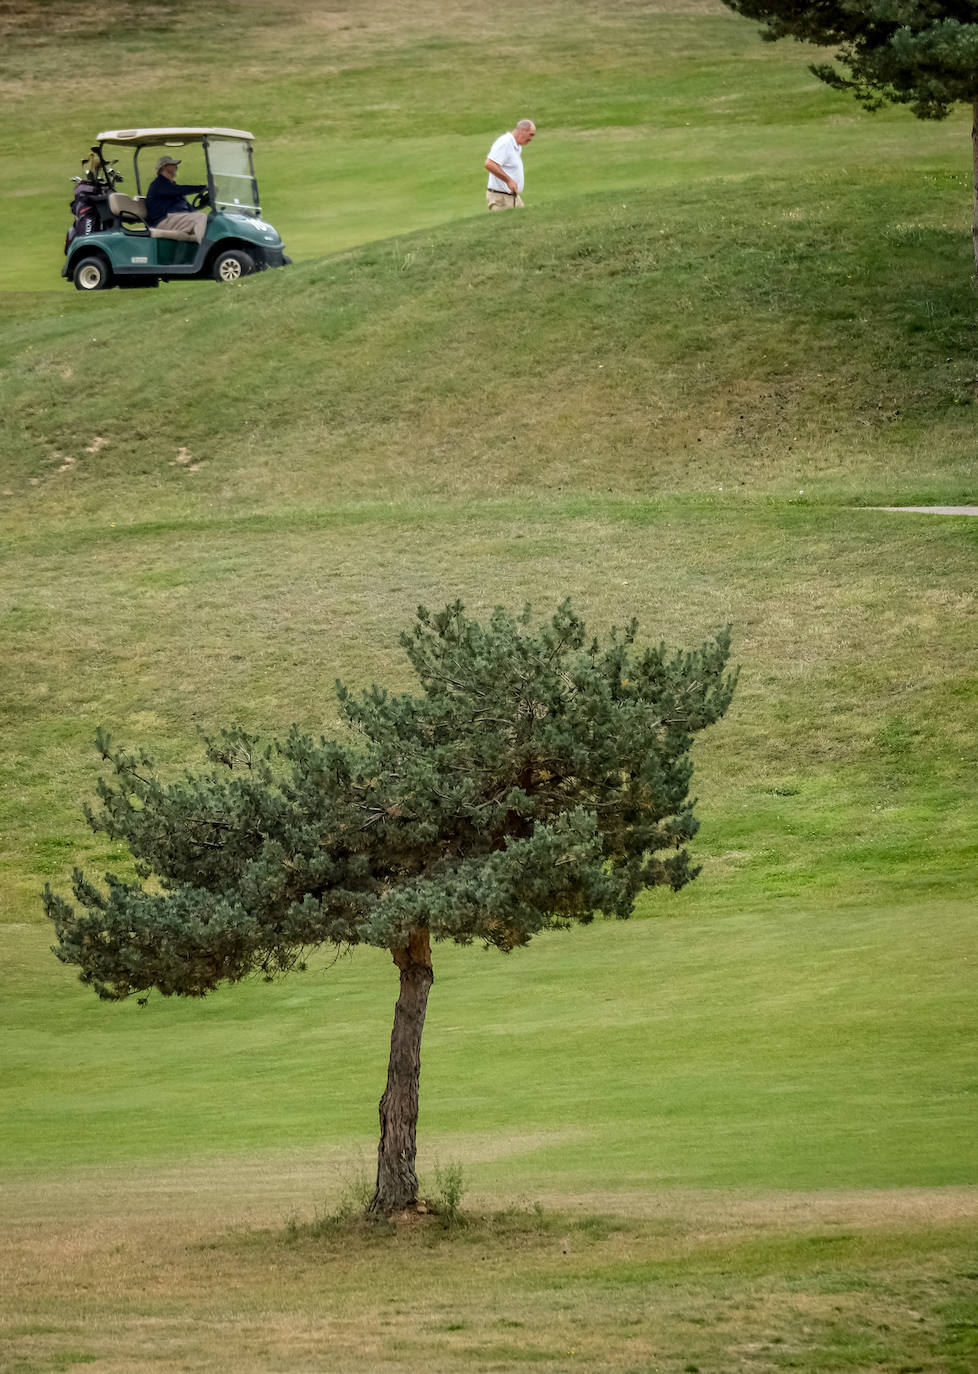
911, 52
538, 777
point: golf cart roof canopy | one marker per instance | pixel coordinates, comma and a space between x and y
169, 138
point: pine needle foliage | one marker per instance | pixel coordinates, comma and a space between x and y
539, 777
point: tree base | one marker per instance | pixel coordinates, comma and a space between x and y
421, 1214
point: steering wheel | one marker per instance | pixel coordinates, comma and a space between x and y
200, 199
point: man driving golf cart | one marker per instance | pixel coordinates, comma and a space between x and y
166, 203
141, 240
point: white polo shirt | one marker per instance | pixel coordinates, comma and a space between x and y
509, 155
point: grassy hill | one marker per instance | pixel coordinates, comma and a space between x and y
736, 315
662, 345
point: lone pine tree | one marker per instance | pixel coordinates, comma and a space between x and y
910, 52
537, 779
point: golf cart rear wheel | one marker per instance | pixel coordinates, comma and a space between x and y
91, 274
233, 265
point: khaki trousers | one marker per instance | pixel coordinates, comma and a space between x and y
503, 200
193, 223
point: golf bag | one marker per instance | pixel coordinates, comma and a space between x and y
84, 211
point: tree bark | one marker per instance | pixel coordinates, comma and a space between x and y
397, 1181
974, 165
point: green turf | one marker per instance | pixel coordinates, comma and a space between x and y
784, 1048
736, 313
660, 346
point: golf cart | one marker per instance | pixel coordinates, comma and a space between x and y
112, 245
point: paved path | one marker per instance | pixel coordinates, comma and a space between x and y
931, 510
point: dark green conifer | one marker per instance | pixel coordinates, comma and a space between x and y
538, 778
910, 52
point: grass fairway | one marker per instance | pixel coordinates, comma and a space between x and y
735, 1133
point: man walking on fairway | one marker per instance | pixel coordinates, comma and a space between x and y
505, 167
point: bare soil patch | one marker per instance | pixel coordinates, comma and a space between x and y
932, 510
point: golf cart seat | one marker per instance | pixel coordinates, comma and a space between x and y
128, 207
134, 207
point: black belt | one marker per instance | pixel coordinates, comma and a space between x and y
501, 193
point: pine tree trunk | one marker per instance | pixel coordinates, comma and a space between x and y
974, 163
397, 1182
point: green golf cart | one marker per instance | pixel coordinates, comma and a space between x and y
111, 244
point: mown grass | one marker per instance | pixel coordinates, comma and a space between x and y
760, 1284
736, 314
659, 346
795, 1047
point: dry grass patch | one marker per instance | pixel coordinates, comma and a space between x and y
679, 1281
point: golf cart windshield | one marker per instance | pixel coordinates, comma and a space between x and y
232, 176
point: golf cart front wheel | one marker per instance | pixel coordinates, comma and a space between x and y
91, 274
233, 265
